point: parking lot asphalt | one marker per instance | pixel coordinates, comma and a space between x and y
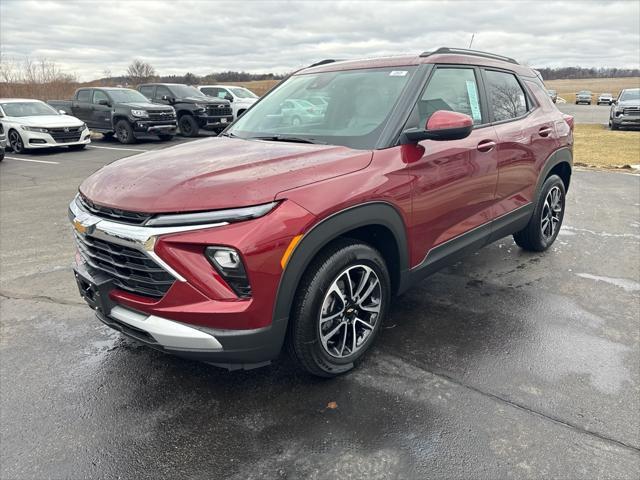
505, 365
598, 114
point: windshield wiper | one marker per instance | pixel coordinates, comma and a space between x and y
284, 138
228, 134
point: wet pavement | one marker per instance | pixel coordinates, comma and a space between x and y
505, 365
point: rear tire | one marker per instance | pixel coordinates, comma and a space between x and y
545, 223
188, 126
340, 304
1, 154
124, 132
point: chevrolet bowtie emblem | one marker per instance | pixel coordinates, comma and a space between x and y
80, 228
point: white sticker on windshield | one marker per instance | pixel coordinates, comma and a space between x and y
398, 73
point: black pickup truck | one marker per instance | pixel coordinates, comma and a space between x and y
122, 112
194, 109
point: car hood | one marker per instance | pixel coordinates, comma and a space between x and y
205, 101
629, 103
48, 121
217, 173
146, 106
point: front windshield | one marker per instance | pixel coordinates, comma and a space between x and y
584, 92
630, 95
183, 91
127, 96
27, 109
358, 106
242, 92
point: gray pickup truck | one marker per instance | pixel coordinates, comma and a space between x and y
122, 112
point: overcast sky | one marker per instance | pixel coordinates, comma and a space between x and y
176, 37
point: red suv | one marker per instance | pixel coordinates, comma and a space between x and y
299, 233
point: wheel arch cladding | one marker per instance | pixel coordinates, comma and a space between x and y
375, 223
559, 163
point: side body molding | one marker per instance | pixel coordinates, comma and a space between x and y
373, 213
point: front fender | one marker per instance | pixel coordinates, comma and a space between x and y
330, 228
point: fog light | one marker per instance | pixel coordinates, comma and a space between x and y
229, 265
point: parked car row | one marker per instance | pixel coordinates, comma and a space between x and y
586, 96
157, 109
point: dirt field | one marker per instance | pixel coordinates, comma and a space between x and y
568, 88
596, 145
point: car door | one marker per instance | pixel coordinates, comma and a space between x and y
81, 106
101, 114
454, 181
525, 126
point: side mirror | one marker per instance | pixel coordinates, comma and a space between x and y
442, 125
167, 98
62, 112
104, 102
228, 97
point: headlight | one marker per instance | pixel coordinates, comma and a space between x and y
139, 113
229, 265
199, 105
82, 127
35, 129
214, 216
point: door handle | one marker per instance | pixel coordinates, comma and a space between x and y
486, 145
545, 131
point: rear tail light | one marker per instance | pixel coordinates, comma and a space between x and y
228, 263
569, 120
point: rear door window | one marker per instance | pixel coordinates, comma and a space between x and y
452, 89
507, 99
84, 96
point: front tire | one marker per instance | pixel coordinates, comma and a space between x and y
124, 132
16, 143
188, 126
339, 306
545, 223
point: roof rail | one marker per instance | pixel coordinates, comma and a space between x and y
466, 51
322, 62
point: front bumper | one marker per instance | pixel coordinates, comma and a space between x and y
152, 127
231, 349
626, 120
34, 140
213, 122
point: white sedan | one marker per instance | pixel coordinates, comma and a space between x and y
31, 124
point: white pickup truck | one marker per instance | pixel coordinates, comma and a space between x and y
241, 98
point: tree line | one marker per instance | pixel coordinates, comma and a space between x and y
561, 73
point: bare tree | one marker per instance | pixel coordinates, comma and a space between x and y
140, 71
190, 79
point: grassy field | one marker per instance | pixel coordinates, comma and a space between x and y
597, 146
259, 87
567, 88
